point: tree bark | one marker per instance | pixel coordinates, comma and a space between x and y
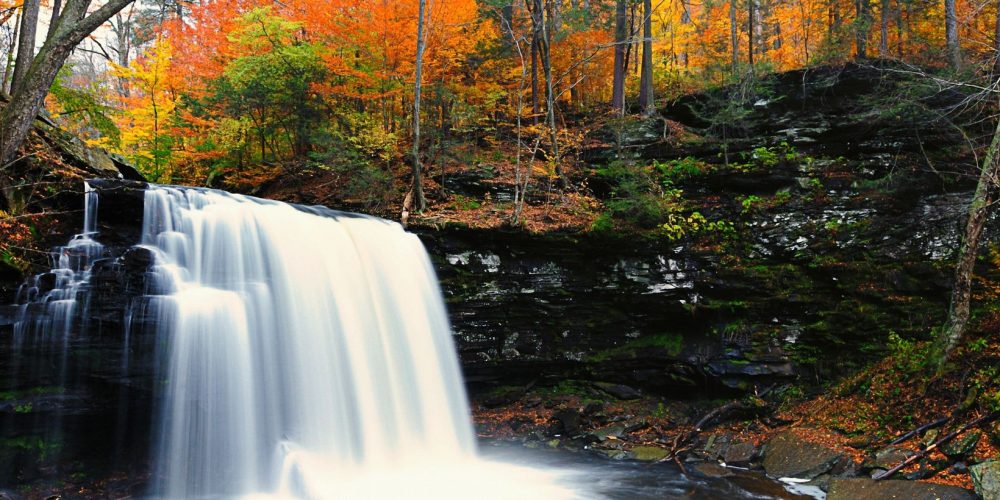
750, 32
979, 212
618, 82
56, 7
734, 38
883, 41
646, 101
951, 34
417, 189
25, 42
862, 23
685, 20
9, 65
534, 6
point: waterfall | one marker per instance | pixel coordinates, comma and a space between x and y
298, 353
296, 336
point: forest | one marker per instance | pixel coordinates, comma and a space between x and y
652, 248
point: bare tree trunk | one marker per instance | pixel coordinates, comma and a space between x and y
618, 82
951, 34
534, 6
56, 7
883, 41
685, 20
734, 38
759, 34
541, 23
25, 42
979, 211
646, 101
862, 22
750, 32
9, 65
805, 34
419, 202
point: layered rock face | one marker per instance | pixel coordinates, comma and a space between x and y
845, 216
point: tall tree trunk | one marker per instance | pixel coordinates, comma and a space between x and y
27, 99
883, 41
862, 23
979, 211
25, 42
951, 34
574, 90
550, 97
535, 107
806, 28
9, 65
56, 8
685, 20
750, 31
646, 79
758, 32
417, 199
734, 37
618, 81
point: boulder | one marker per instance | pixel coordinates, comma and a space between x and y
986, 479
649, 453
709, 469
887, 458
858, 488
728, 449
566, 422
962, 446
788, 455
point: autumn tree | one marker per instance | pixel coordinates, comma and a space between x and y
980, 206
73, 25
25, 41
416, 197
152, 102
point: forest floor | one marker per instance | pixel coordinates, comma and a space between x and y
858, 417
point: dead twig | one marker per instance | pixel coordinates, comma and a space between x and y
937, 423
989, 417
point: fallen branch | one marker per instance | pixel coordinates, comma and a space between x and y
937, 423
989, 417
682, 439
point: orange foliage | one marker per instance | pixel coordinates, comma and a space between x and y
473, 71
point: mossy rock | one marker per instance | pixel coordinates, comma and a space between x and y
649, 453
986, 479
963, 445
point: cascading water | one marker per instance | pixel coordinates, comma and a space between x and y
298, 352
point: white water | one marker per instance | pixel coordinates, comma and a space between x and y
308, 356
